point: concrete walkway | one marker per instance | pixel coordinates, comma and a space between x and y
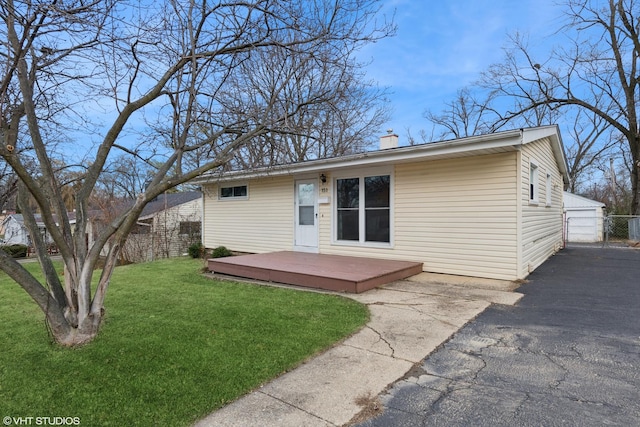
409, 320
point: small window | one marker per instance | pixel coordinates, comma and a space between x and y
236, 192
190, 228
142, 227
533, 182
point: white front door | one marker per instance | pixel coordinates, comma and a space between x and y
306, 215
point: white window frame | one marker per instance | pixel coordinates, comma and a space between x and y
361, 174
534, 185
233, 185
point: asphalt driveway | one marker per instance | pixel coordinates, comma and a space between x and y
567, 354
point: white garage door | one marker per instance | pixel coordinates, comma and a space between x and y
582, 226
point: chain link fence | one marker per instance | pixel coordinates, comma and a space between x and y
622, 228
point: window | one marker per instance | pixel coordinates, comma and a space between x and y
190, 228
548, 195
363, 209
142, 227
533, 182
348, 208
306, 203
237, 192
377, 209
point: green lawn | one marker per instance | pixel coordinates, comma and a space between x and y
174, 346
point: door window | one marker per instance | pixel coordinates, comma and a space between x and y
306, 204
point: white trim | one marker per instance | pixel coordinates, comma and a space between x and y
534, 175
520, 164
316, 219
362, 173
233, 185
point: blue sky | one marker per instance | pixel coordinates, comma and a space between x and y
442, 46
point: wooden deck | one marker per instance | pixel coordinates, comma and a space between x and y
330, 272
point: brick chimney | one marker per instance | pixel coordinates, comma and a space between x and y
390, 140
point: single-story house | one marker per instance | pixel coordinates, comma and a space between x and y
15, 232
486, 206
3, 216
584, 218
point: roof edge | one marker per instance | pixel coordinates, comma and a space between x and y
591, 202
505, 140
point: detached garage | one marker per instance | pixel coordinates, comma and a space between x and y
584, 219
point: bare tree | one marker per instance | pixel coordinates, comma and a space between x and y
469, 114
125, 177
349, 119
591, 142
608, 187
8, 185
157, 78
595, 70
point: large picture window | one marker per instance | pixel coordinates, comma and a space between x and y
363, 209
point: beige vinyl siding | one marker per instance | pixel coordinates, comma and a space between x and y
325, 221
261, 223
541, 224
457, 216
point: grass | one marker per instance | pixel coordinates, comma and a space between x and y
174, 346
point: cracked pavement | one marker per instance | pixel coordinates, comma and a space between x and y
567, 354
409, 319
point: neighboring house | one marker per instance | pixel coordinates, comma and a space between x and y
166, 227
15, 232
3, 216
584, 219
487, 206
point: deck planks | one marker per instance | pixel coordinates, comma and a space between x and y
329, 272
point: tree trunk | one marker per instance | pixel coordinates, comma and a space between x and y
634, 146
76, 336
69, 324
86, 318
635, 201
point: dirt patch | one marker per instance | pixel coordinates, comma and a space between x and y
371, 408
101, 261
